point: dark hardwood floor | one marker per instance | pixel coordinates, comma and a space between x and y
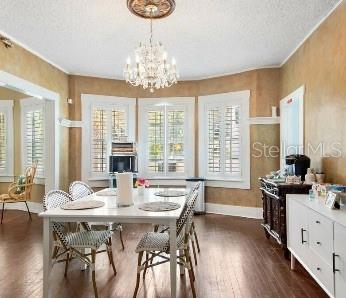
236, 260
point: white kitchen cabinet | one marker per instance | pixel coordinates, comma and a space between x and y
316, 237
339, 260
298, 230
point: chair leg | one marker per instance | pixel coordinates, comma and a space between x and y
55, 251
146, 263
2, 212
191, 273
67, 261
192, 284
189, 262
110, 255
93, 258
139, 264
194, 232
27, 208
194, 250
121, 239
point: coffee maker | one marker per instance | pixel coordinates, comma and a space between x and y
297, 164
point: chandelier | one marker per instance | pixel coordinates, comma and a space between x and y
151, 68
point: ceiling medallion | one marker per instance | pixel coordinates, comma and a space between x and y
151, 68
151, 9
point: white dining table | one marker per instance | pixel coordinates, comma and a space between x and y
111, 212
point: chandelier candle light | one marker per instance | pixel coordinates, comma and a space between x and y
151, 68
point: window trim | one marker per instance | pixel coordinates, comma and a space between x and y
26, 105
88, 102
145, 104
242, 99
6, 106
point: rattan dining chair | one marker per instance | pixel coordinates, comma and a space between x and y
156, 245
20, 191
192, 231
75, 243
79, 190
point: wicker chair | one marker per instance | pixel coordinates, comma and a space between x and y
156, 245
75, 243
79, 190
20, 192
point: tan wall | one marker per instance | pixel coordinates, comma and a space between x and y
8, 94
23, 64
263, 85
320, 65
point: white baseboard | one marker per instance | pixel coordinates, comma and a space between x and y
249, 212
33, 206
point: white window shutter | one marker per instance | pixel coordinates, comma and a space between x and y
99, 140
232, 140
166, 138
34, 139
224, 139
175, 140
3, 142
214, 139
156, 141
119, 124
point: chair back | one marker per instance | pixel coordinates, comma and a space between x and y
187, 212
54, 199
79, 190
21, 190
29, 179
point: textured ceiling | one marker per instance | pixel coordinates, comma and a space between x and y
207, 37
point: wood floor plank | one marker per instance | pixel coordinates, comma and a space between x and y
236, 260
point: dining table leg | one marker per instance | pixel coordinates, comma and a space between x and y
173, 257
85, 251
47, 255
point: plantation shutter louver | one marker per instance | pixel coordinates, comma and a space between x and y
175, 140
156, 142
3, 141
34, 139
119, 125
99, 141
214, 140
224, 142
232, 140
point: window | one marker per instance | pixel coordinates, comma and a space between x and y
6, 140
166, 138
106, 119
224, 138
33, 134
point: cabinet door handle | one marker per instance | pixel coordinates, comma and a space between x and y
318, 269
334, 269
318, 222
318, 243
302, 234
